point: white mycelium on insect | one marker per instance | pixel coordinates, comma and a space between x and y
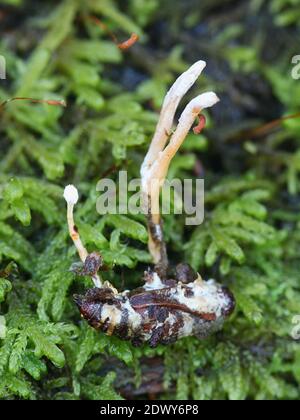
166, 307
153, 282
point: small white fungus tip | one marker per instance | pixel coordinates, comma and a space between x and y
71, 194
207, 100
187, 79
199, 65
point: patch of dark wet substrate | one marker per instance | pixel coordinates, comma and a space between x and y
12, 17
17, 30
247, 98
152, 378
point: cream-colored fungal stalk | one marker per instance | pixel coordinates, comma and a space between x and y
163, 148
71, 196
168, 110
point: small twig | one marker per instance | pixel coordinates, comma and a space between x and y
201, 124
121, 45
265, 129
50, 102
129, 42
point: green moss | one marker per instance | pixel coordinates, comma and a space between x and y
250, 240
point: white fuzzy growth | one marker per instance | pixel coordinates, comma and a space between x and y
208, 297
155, 284
71, 194
112, 313
188, 326
158, 233
207, 100
134, 318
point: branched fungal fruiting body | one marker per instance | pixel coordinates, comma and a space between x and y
164, 309
162, 150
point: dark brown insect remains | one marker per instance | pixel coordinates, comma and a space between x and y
159, 315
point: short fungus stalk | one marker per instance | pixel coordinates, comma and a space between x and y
71, 196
